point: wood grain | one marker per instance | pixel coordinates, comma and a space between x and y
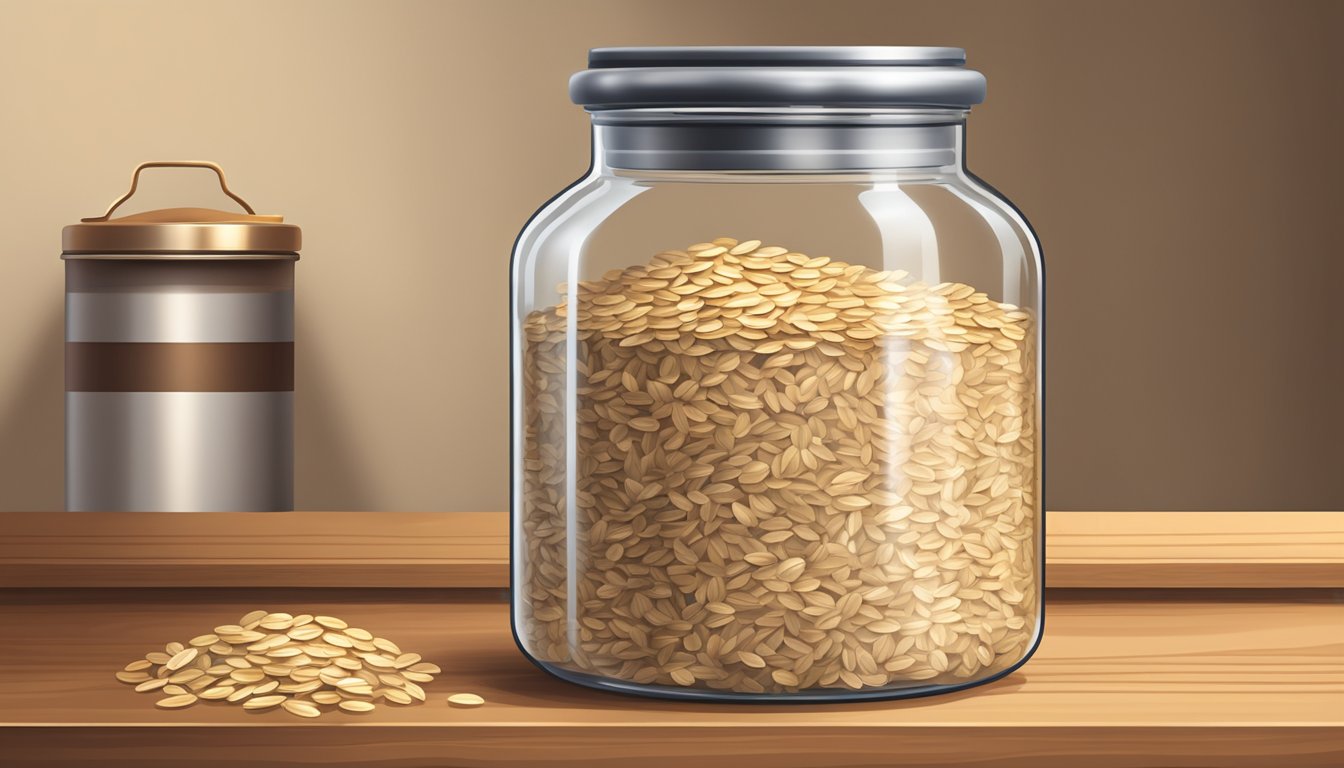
470, 549
1195, 549
1150, 678
299, 549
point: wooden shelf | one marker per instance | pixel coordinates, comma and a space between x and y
1123, 678
470, 549
1195, 549
1138, 669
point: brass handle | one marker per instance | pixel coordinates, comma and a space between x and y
135, 182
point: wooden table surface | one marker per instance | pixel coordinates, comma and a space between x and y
1123, 678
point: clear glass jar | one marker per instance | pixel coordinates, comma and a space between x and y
776, 386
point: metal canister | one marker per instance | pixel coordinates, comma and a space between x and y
179, 358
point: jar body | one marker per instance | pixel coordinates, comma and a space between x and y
776, 434
179, 383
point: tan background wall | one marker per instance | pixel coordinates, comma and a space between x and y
1179, 160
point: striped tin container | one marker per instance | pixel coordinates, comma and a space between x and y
179, 359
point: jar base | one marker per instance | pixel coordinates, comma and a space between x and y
801, 697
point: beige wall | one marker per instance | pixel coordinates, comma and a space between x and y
1180, 162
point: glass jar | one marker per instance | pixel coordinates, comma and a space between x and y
776, 385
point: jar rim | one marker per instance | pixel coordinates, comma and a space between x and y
754, 76
775, 55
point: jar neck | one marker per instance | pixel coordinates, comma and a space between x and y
778, 140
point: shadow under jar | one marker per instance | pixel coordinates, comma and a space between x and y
776, 385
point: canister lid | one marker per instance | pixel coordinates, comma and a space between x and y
777, 76
182, 233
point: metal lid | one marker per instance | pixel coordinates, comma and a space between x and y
182, 233
774, 76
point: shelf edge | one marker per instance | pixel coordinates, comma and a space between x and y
470, 549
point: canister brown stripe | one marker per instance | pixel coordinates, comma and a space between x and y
163, 367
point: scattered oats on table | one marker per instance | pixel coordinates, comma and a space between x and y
305, 664
465, 700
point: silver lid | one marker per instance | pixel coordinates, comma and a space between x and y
775, 76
